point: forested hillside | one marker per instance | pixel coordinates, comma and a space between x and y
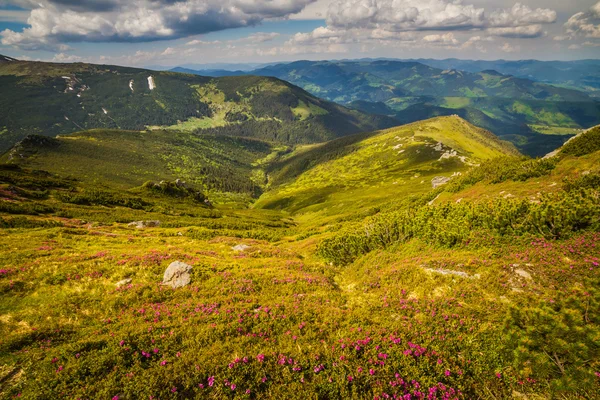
77, 97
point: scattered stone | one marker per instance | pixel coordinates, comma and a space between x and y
240, 247
177, 275
144, 224
123, 282
439, 181
450, 272
522, 273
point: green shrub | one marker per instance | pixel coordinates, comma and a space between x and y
555, 216
27, 208
174, 189
502, 169
23, 222
102, 198
586, 143
557, 341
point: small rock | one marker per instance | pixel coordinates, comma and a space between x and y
439, 181
524, 274
240, 247
123, 282
144, 224
177, 275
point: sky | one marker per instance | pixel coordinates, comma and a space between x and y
177, 32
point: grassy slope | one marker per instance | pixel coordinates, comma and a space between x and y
365, 170
473, 321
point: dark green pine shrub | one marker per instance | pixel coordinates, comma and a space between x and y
98, 197
555, 216
557, 339
174, 189
586, 143
503, 169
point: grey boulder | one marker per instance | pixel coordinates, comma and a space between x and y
177, 275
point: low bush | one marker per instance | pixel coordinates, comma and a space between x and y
102, 198
555, 216
500, 170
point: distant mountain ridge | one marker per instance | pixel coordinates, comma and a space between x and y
75, 97
535, 116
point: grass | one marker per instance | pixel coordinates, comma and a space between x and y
376, 168
474, 320
554, 130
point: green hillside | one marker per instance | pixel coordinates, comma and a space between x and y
125, 159
536, 117
349, 277
369, 169
77, 97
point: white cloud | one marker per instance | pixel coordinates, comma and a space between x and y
447, 39
523, 32
58, 21
66, 58
585, 24
353, 21
521, 15
508, 48
13, 15
261, 37
403, 15
477, 42
591, 44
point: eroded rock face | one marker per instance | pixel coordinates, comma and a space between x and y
177, 275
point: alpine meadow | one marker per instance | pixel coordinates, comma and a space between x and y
299, 199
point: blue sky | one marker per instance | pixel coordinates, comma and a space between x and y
169, 33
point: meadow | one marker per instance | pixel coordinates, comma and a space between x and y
423, 294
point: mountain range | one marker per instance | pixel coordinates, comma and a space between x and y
532, 115
79, 96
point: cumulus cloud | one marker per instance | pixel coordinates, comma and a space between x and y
477, 42
350, 21
586, 24
402, 15
521, 15
445, 39
508, 48
262, 37
522, 32
57, 21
